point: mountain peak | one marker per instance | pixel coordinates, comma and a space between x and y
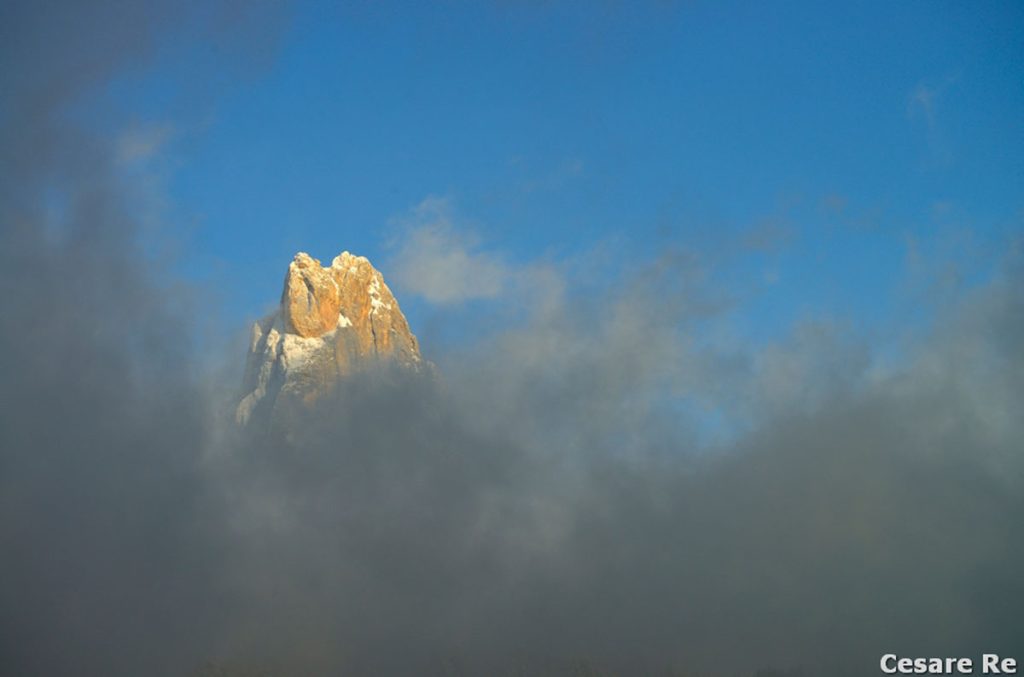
332, 321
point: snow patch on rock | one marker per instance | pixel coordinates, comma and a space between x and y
332, 321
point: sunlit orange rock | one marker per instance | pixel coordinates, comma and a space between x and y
333, 320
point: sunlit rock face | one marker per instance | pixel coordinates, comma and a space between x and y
332, 321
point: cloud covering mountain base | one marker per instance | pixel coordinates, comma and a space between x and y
531, 509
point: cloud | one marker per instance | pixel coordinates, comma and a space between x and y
441, 264
834, 203
922, 99
554, 502
140, 143
551, 506
103, 423
923, 103
566, 171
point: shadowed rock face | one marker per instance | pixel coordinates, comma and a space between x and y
332, 321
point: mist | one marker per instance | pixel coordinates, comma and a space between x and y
595, 483
542, 510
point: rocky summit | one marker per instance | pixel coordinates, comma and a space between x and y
332, 322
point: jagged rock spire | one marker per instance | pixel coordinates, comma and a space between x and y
332, 321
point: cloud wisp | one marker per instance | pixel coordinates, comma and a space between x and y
923, 103
434, 260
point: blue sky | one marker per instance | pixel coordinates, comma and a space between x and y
827, 146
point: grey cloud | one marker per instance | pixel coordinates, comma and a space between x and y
550, 505
111, 555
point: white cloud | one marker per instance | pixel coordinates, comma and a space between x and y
442, 263
141, 143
